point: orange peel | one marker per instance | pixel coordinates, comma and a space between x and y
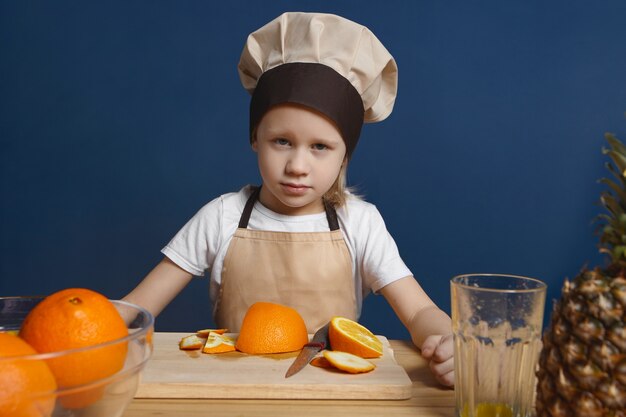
205, 332
321, 362
218, 343
191, 342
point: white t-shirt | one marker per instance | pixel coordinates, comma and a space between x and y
201, 244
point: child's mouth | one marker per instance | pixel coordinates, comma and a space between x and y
294, 189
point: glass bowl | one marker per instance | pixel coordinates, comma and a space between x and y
103, 397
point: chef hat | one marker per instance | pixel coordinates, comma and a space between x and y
321, 61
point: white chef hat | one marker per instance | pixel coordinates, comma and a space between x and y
321, 61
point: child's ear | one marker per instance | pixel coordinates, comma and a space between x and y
253, 142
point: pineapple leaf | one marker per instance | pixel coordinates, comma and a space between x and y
605, 218
609, 201
617, 189
618, 159
613, 224
616, 174
615, 143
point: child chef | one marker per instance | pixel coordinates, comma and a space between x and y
302, 238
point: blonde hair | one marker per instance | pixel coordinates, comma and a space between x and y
337, 194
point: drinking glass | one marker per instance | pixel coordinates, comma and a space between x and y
496, 321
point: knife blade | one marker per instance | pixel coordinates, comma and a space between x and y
308, 352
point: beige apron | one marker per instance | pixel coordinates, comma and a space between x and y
311, 272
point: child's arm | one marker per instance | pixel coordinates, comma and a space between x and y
159, 287
430, 328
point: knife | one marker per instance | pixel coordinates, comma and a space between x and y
308, 352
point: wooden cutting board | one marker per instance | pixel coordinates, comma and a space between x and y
173, 373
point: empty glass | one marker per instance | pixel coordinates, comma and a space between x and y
496, 321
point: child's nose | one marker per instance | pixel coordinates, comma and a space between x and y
297, 163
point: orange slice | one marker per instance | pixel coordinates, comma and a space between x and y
321, 362
349, 336
348, 362
191, 342
205, 332
218, 343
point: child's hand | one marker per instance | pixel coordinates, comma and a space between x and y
439, 351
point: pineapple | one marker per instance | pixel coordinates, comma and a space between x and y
582, 367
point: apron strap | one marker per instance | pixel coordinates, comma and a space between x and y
247, 210
331, 216
331, 213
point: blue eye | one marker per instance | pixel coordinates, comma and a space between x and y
281, 141
320, 147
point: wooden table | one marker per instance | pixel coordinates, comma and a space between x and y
428, 399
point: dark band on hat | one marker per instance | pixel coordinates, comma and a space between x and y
313, 85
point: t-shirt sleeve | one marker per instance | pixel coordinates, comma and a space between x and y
381, 263
194, 247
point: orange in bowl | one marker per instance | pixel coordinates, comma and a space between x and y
27, 386
76, 319
271, 328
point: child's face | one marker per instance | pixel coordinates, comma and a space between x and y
300, 154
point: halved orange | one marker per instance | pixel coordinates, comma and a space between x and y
346, 335
271, 328
218, 343
348, 362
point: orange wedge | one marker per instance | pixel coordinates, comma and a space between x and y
349, 336
191, 342
348, 362
218, 343
205, 332
320, 362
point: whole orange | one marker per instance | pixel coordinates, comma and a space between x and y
27, 386
271, 328
78, 318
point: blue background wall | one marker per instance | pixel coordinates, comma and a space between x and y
118, 120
